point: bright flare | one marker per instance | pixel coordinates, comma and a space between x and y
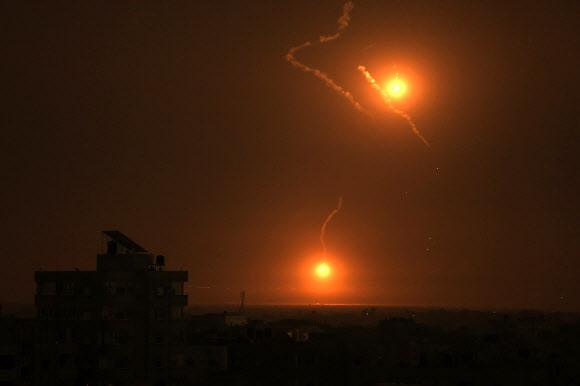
386, 95
323, 270
396, 88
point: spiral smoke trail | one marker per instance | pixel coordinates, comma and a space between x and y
323, 230
343, 23
386, 97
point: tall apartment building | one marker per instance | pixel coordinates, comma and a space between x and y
121, 324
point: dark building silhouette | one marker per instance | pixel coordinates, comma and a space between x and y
17, 351
120, 324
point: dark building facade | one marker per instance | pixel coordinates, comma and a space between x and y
121, 324
17, 350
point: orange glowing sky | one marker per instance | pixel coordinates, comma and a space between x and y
185, 127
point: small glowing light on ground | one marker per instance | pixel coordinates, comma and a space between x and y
323, 270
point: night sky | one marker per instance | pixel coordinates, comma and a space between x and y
182, 125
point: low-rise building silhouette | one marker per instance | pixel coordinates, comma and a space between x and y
121, 323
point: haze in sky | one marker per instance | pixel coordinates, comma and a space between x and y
184, 126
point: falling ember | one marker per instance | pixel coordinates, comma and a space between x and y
323, 229
386, 94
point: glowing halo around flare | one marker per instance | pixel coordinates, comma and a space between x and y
323, 270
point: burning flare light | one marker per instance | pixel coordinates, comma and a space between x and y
394, 89
323, 270
386, 94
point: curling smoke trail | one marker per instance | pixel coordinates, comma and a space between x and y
389, 103
343, 23
330, 216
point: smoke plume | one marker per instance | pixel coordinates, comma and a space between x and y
323, 230
343, 23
